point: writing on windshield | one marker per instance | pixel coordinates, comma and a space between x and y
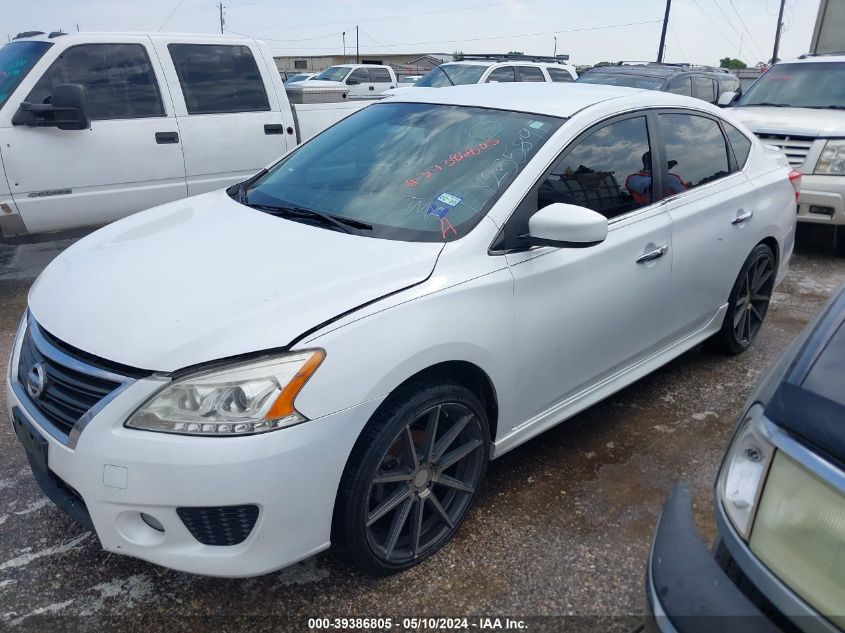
16, 60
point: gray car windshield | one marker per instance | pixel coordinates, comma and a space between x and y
404, 171
16, 60
622, 79
807, 85
451, 74
334, 73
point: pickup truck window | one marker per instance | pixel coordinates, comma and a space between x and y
380, 75
118, 78
334, 73
621, 79
530, 73
414, 172
802, 85
16, 60
360, 76
559, 75
219, 78
503, 74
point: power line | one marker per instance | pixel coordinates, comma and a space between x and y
379, 43
713, 22
678, 42
725, 15
175, 9
503, 37
747, 30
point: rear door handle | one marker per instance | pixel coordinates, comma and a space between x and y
657, 253
274, 128
742, 217
163, 138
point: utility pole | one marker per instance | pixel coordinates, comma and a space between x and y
344, 46
555, 53
357, 48
663, 33
77, 27
777, 32
222, 19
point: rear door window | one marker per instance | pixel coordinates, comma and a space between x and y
702, 88
680, 86
530, 73
696, 151
502, 74
360, 75
119, 80
380, 75
559, 75
219, 78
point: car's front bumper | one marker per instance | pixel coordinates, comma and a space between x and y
822, 200
292, 475
687, 590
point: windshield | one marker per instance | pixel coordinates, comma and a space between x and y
334, 73
415, 172
622, 79
808, 85
16, 60
458, 73
297, 78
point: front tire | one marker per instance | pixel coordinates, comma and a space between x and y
748, 301
412, 478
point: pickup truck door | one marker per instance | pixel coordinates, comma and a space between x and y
130, 158
381, 79
359, 83
233, 114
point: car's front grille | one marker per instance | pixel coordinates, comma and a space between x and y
796, 148
223, 525
750, 591
60, 387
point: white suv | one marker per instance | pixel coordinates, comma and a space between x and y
799, 106
490, 69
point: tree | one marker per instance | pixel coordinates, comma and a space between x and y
457, 56
732, 63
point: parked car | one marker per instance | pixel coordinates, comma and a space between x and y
779, 503
331, 351
479, 69
364, 81
799, 107
702, 82
301, 77
156, 117
409, 80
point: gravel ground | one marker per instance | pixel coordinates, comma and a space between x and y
563, 525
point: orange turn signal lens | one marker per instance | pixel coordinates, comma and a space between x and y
283, 406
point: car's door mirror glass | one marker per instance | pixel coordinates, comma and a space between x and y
726, 99
562, 224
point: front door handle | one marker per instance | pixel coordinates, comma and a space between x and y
742, 217
372, 87
274, 128
163, 138
657, 253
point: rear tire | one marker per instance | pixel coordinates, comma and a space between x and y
412, 477
748, 301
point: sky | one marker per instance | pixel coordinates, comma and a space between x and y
701, 31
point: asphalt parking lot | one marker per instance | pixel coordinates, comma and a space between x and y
563, 526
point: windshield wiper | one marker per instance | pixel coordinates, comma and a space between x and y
826, 107
441, 69
766, 103
285, 210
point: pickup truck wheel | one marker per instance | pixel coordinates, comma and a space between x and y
411, 479
748, 301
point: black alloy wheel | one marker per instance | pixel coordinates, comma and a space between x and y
749, 300
410, 489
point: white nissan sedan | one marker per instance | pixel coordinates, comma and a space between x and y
331, 352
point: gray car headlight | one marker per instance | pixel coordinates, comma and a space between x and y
832, 160
242, 399
743, 473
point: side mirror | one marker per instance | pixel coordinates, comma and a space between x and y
562, 224
726, 99
67, 110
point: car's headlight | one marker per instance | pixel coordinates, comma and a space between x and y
743, 473
832, 160
240, 399
799, 533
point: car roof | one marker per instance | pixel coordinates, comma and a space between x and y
504, 62
810, 401
551, 99
814, 59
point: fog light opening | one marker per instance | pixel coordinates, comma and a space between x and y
819, 210
152, 522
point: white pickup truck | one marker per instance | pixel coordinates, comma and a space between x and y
94, 127
362, 81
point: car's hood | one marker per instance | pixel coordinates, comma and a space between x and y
207, 278
792, 121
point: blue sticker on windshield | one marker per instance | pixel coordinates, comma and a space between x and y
536, 125
444, 203
449, 199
